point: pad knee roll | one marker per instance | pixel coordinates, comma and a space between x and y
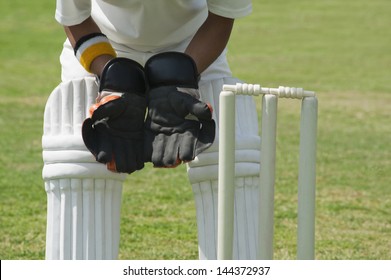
64, 153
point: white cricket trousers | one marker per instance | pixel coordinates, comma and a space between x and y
84, 198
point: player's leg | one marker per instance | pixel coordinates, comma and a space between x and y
203, 172
83, 197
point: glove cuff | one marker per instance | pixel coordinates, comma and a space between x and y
171, 68
123, 75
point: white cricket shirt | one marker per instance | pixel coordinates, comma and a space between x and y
147, 25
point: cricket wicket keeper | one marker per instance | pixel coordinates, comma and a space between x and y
140, 82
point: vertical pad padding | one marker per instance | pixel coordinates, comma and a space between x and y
245, 218
64, 153
248, 142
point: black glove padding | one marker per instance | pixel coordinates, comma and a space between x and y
178, 125
114, 132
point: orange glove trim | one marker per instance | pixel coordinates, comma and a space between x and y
103, 101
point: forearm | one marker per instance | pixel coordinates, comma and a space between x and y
75, 32
210, 40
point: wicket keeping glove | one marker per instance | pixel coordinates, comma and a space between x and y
178, 125
114, 131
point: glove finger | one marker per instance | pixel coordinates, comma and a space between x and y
165, 151
139, 154
104, 144
158, 147
206, 136
97, 141
186, 146
171, 150
201, 110
182, 101
148, 145
130, 157
128, 161
111, 165
89, 136
120, 156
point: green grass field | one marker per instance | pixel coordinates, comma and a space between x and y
340, 49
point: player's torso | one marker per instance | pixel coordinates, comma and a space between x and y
149, 24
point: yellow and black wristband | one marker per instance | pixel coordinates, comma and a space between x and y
91, 46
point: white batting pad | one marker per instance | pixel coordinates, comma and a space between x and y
83, 218
83, 197
245, 218
203, 173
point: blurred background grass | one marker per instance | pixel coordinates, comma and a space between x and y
340, 49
